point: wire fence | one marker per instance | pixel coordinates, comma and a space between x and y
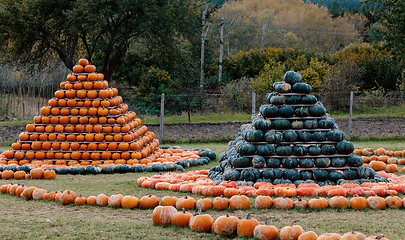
365, 104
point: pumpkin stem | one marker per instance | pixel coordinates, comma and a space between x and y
184, 210
379, 236
299, 199
292, 223
265, 221
248, 216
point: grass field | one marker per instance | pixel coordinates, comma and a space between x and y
50, 220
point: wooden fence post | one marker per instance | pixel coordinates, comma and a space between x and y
253, 103
349, 131
162, 113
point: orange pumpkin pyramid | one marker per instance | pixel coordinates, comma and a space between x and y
86, 122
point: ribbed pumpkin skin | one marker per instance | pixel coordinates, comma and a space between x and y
225, 225
162, 215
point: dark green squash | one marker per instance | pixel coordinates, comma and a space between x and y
289, 162
320, 175
125, 168
300, 150
281, 181
335, 175
281, 124
265, 150
326, 123
284, 150
290, 136
344, 147
293, 100
365, 172
309, 99
249, 175
277, 100
268, 174
245, 148
273, 137
304, 137
306, 162
314, 150
108, 170
278, 174
273, 163
310, 124
291, 174
328, 149
317, 110
286, 111
350, 174
94, 169
319, 136
74, 171
241, 162
268, 111
354, 161
301, 112
301, 88
261, 124
335, 135
306, 175
297, 125
338, 162
232, 175
292, 77
258, 161
322, 162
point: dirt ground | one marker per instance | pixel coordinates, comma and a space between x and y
361, 128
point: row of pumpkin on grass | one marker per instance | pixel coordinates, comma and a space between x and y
170, 159
198, 182
247, 227
164, 214
379, 152
187, 202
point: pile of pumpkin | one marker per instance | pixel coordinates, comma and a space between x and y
27, 173
382, 159
227, 225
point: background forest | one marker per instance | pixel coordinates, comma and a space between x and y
154, 47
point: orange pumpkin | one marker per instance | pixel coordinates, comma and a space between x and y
149, 201
353, 236
181, 219
266, 232
162, 215
246, 226
201, 222
239, 202
129, 202
291, 232
225, 225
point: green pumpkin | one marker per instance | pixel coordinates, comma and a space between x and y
258, 161
300, 150
209, 154
273, 137
314, 150
250, 175
124, 168
254, 135
354, 161
306, 175
326, 123
338, 162
269, 95
290, 136
282, 87
350, 174
140, 169
281, 124
293, 100
306, 163
328, 149
241, 162
290, 162
278, 174
245, 148
265, 150
365, 172
301, 112
286, 111
320, 175
284, 150
268, 111
74, 171
63, 171
108, 170
277, 100
344, 147
268, 174
301, 88
335, 175
292, 77
319, 136
309, 99
273, 163
317, 110
261, 124
232, 175
297, 125
310, 124
322, 162
304, 137
291, 174
335, 135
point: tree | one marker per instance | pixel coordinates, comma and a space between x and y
392, 13
101, 30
